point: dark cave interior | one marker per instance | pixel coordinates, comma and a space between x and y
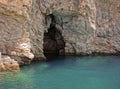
53, 40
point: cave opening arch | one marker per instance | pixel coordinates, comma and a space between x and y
53, 40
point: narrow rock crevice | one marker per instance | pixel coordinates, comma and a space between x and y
53, 40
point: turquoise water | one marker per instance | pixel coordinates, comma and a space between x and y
66, 72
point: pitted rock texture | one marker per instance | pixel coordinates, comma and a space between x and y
87, 27
8, 64
14, 38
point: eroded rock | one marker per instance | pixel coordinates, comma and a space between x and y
86, 26
8, 64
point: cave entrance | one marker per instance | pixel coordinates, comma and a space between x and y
53, 40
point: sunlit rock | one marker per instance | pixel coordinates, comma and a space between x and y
86, 27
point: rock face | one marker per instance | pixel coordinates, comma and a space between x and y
8, 64
85, 27
14, 37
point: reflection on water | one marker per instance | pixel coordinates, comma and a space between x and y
66, 72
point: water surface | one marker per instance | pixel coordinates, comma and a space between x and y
66, 72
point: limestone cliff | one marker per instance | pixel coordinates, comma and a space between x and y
28, 28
